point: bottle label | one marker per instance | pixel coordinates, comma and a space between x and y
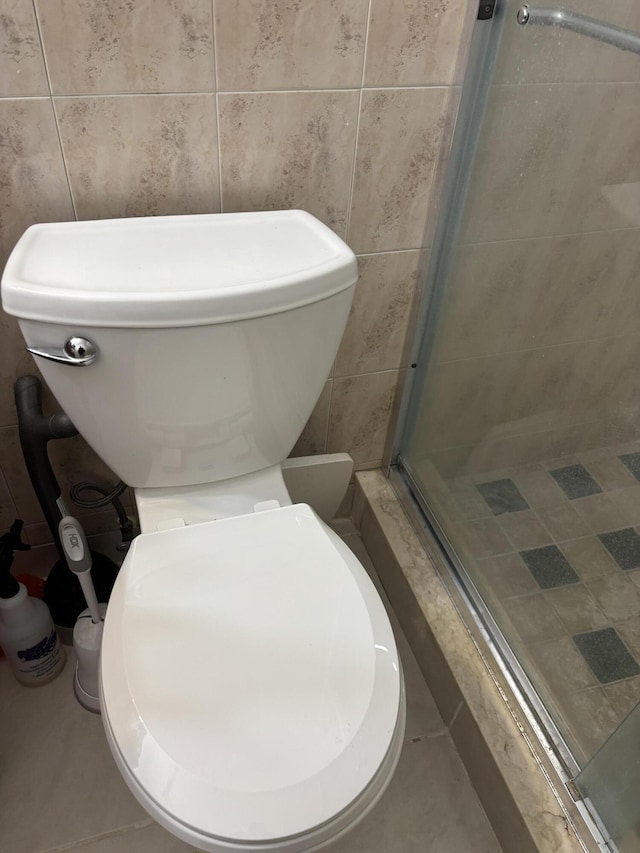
41, 660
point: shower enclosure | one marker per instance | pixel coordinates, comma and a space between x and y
520, 438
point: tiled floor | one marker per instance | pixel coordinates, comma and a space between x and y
555, 550
60, 789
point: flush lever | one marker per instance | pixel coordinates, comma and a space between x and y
76, 351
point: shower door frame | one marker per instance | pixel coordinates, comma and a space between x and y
485, 45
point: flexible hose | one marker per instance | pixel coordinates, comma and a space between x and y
108, 497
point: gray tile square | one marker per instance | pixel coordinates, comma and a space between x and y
632, 461
624, 547
608, 657
549, 566
502, 496
575, 481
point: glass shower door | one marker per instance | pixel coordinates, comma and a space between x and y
522, 440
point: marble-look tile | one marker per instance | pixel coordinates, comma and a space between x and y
523, 529
563, 522
517, 796
34, 187
296, 152
617, 596
589, 558
577, 608
623, 696
51, 737
561, 156
601, 513
591, 718
505, 576
483, 538
15, 361
608, 469
629, 630
398, 148
534, 619
377, 325
430, 801
117, 46
360, 407
141, 155
413, 42
313, 438
22, 69
537, 487
561, 665
505, 296
277, 44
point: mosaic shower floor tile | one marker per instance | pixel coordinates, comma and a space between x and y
502, 496
624, 547
549, 566
608, 657
575, 481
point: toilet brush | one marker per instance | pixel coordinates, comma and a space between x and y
87, 633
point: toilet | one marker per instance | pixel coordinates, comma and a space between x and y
251, 689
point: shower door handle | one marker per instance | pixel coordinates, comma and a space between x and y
581, 24
77, 352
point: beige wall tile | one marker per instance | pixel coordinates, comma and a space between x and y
360, 407
22, 69
279, 44
413, 42
141, 155
398, 147
7, 507
289, 150
556, 160
374, 337
34, 189
314, 436
112, 46
538, 292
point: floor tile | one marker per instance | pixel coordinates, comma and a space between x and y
624, 547
632, 462
537, 487
617, 595
577, 609
505, 575
589, 558
607, 656
524, 530
502, 496
57, 751
533, 618
575, 481
549, 567
591, 718
629, 630
624, 696
608, 470
601, 513
562, 666
484, 538
563, 522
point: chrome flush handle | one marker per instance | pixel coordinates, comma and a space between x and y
77, 351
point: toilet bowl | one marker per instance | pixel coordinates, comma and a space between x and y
251, 689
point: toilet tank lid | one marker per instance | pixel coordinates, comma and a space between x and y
167, 271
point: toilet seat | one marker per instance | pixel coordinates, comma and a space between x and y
251, 687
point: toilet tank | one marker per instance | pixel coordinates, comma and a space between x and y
214, 334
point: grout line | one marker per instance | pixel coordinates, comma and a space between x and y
455, 716
92, 839
357, 133
215, 81
53, 110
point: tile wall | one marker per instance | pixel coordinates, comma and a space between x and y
538, 346
115, 108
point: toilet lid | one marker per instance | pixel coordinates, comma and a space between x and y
250, 678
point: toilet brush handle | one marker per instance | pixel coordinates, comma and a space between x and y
76, 550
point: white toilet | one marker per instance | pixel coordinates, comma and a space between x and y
251, 689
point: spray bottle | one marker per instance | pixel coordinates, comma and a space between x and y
27, 633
